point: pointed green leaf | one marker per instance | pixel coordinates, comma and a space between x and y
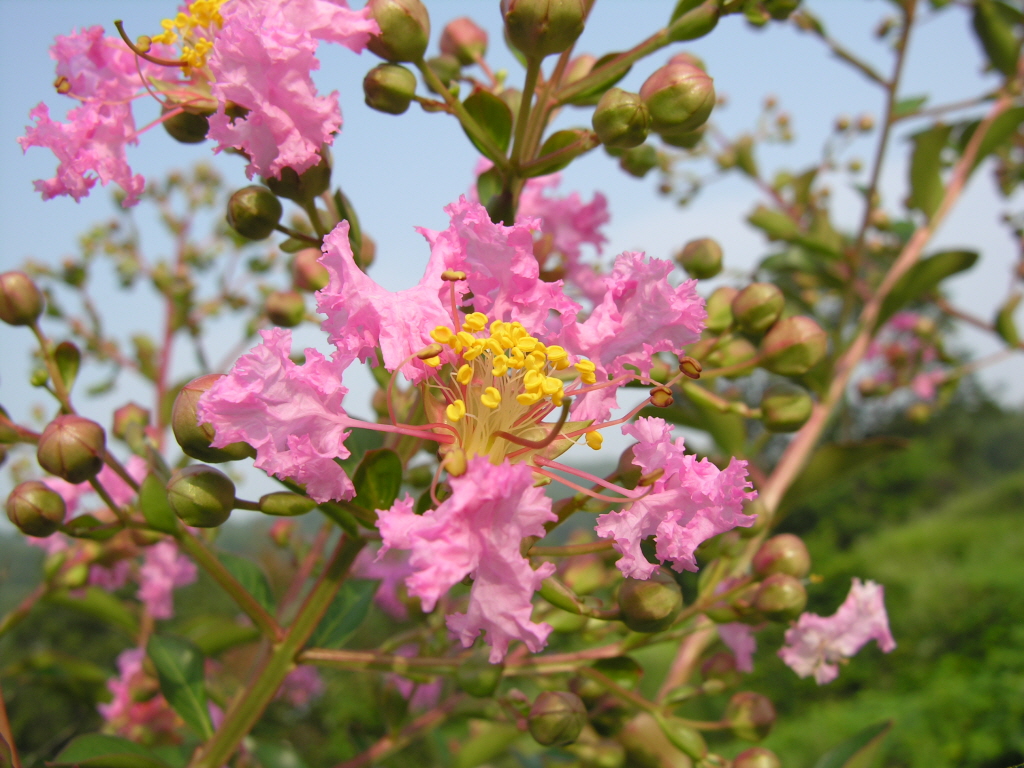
68, 360
858, 750
1005, 325
488, 184
156, 510
926, 186
560, 149
908, 106
775, 224
359, 442
214, 634
592, 95
250, 576
493, 116
923, 278
89, 527
100, 604
994, 24
294, 245
355, 231
378, 480
345, 613
999, 133
98, 750
179, 667
831, 462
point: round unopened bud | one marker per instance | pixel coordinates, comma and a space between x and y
478, 677
639, 161
447, 69
756, 308
195, 438
202, 496
35, 509
865, 123
539, 28
404, 29
21, 303
650, 605
308, 274
750, 715
281, 532
756, 757
719, 309
661, 397
464, 40
72, 447
683, 139
680, 98
701, 258
785, 407
254, 211
621, 119
556, 718
129, 418
303, 187
736, 353
285, 308
784, 553
186, 127
793, 346
720, 666
389, 88
781, 597
286, 504
684, 737
690, 368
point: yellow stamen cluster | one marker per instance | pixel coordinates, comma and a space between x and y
192, 25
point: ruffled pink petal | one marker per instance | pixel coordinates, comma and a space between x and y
291, 414
477, 532
739, 638
163, 570
391, 569
331, 21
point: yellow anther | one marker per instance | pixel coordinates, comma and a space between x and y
516, 357
491, 398
455, 462
433, 362
533, 381
503, 340
527, 343
528, 398
494, 346
556, 399
472, 352
595, 440
586, 370
442, 334
465, 375
474, 322
453, 275
456, 410
497, 327
467, 339
550, 385
62, 84
557, 354
535, 361
500, 366
518, 333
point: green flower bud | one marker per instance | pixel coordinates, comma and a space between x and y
302, 188
129, 418
201, 496
721, 667
780, 10
757, 757
389, 88
187, 127
404, 29
647, 746
750, 715
621, 119
253, 212
784, 553
701, 258
683, 737
793, 346
478, 677
35, 509
195, 438
734, 352
447, 70
308, 274
785, 408
781, 597
286, 504
21, 303
285, 308
72, 447
464, 40
556, 718
680, 98
639, 161
604, 753
757, 307
651, 605
683, 139
719, 309
539, 28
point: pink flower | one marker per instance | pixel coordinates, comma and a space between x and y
163, 570
421, 696
739, 638
110, 578
391, 568
816, 645
301, 686
477, 532
136, 717
691, 502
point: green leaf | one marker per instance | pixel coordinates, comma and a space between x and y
926, 186
923, 278
179, 667
560, 149
214, 634
97, 750
908, 106
68, 360
89, 527
487, 743
345, 613
592, 95
994, 25
156, 510
775, 224
493, 116
355, 231
858, 750
98, 603
250, 576
691, 20
378, 480
1005, 326
359, 442
278, 755
294, 245
998, 134
488, 184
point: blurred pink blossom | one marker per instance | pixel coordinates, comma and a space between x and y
163, 570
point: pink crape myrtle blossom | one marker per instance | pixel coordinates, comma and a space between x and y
163, 570
904, 354
301, 686
816, 645
691, 502
421, 696
129, 714
391, 569
739, 638
477, 532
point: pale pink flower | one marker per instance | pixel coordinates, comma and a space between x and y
816, 645
391, 569
477, 532
421, 696
163, 570
133, 716
691, 502
301, 686
110, 578
739, 638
